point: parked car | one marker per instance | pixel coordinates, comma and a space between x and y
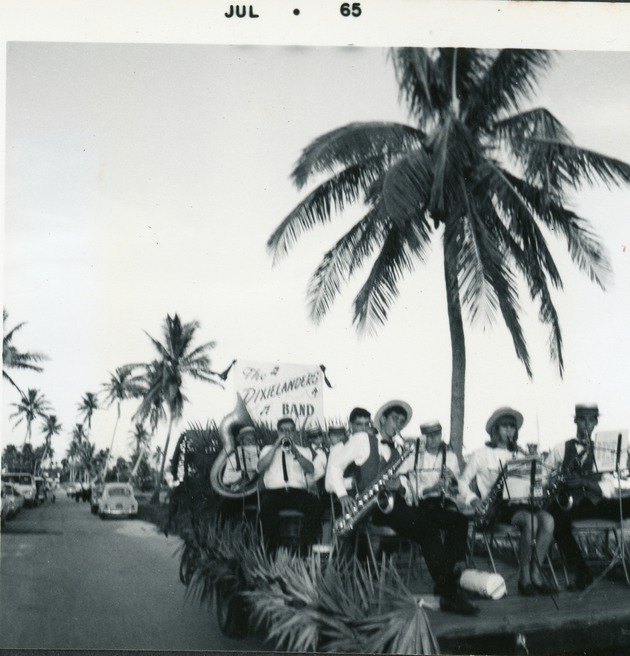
24, 484
14, 500
117, 500
4, 506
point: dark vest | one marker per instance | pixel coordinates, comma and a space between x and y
370, 470
587, 468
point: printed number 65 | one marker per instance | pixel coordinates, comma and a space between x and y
346, 10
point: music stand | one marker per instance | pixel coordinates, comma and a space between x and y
534, 467
620, 555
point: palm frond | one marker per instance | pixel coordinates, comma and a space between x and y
586, 251
352, 145
511, 77
344, 188
421, 82
556, 166
339, 262
407, 187
380, 290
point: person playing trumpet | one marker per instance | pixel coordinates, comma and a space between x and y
284, 467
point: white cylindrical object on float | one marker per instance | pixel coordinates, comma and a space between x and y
485, 584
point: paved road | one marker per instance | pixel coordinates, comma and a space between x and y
71, 581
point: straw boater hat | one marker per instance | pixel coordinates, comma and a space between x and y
503, 412
246, 430
586, 409
430, 427
390, 404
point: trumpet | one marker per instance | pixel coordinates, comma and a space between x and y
287, 444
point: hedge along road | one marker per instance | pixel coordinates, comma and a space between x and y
71, 581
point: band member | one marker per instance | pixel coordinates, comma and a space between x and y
574, 461
486, 466
431, 484
284, 467
371, 455
315, 442
241, 466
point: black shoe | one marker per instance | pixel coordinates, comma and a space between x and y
455, 603
526, 589
583, 579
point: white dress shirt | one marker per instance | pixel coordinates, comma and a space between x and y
333, 454
273, 477
426, 473
248, 460
484, 465
319, 467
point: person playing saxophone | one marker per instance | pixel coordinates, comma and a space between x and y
586, 492
370, 454
486, 467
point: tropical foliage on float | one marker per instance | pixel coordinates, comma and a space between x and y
304, 604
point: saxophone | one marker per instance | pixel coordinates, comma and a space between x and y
490, 505
558, 489
376, 495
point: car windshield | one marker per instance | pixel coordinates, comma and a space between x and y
119, 492
25, 480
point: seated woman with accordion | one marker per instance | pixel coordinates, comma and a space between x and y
488, 467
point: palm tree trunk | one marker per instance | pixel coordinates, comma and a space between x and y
458, 344
156, 495
111, 445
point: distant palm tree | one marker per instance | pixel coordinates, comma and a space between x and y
476, 168
12, 358
32, 405
74, 450
120, 386
50, 427
87, 406
140, 441
162, 379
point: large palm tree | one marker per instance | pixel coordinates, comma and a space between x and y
475, 167
32, 405
120, 386
50, 427
163, 378
12, 358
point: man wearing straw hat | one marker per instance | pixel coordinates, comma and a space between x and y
371, 454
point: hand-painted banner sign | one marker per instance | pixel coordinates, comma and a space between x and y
274, 390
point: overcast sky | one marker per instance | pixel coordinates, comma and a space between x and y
143, 180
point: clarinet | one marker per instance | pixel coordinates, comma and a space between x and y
375, 495
490, 505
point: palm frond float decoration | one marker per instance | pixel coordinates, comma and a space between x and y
304, 604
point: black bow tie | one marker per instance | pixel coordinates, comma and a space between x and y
389, 443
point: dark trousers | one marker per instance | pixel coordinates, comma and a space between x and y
441, 533
584, 509
273, 501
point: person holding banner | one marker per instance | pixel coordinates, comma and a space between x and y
373, 454
582, 490
487, 467
284, 467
